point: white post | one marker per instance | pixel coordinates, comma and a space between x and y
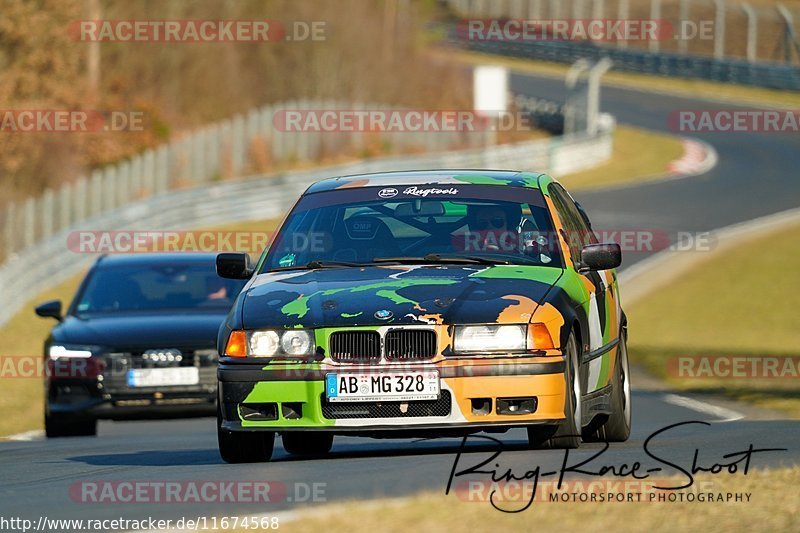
10, 229
623, 12
788, 33
570, 81
96, 192
535, 9
719, 29
65, 199
47, 206
655, 14
239, 148
593, 105
683, 44
752, 31
29, 223
80, 198
109, 188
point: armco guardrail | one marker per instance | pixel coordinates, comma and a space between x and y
719, 40
48, 263
243, 145
773, 76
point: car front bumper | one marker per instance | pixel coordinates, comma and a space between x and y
283, 397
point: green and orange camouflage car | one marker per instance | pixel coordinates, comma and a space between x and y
425, 303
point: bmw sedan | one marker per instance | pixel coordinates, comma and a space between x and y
425, 303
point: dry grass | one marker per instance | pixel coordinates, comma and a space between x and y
638, 155
736, 304
773, 507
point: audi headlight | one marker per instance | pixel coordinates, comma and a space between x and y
62, 351
270, 343
491, 338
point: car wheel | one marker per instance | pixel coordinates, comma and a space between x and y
244, 446
66, 426
617, 427
568, 433
307, 443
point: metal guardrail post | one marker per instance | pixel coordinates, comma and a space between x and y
109, 188
29, 222
719, 29
65, 199
598, 9
79, 199
789, 36
752, 31
10, 230
96, 193
577, 9
124, 183
655, 14
623, 12
47, 206
535, 9
554, 9
683, 14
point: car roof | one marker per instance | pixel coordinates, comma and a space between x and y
185, 258
512, 178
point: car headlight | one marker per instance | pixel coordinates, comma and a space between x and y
62, 351
270, 343
491, 338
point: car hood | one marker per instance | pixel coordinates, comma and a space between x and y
167, 330
384, 295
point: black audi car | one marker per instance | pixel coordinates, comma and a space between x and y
138, 340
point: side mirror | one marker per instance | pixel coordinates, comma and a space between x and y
234, 265
601, 257
49, 309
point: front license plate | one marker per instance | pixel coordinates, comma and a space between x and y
390, 386
160, 377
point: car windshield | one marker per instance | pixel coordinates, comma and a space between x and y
416, 224
155, 288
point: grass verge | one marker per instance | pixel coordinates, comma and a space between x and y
772, 507
22, 400
728, 92
737, 304
639, 155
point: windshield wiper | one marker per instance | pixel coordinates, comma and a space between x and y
445, 258
314, 265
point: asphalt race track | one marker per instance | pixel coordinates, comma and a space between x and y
754, 177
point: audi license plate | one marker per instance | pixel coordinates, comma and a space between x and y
162, 377
389, 386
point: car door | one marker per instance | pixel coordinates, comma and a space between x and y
595, 294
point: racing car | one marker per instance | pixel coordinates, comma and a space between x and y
424, 303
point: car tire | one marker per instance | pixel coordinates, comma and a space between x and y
244, 446
66, 426
617, 427
307, 443
568, 433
